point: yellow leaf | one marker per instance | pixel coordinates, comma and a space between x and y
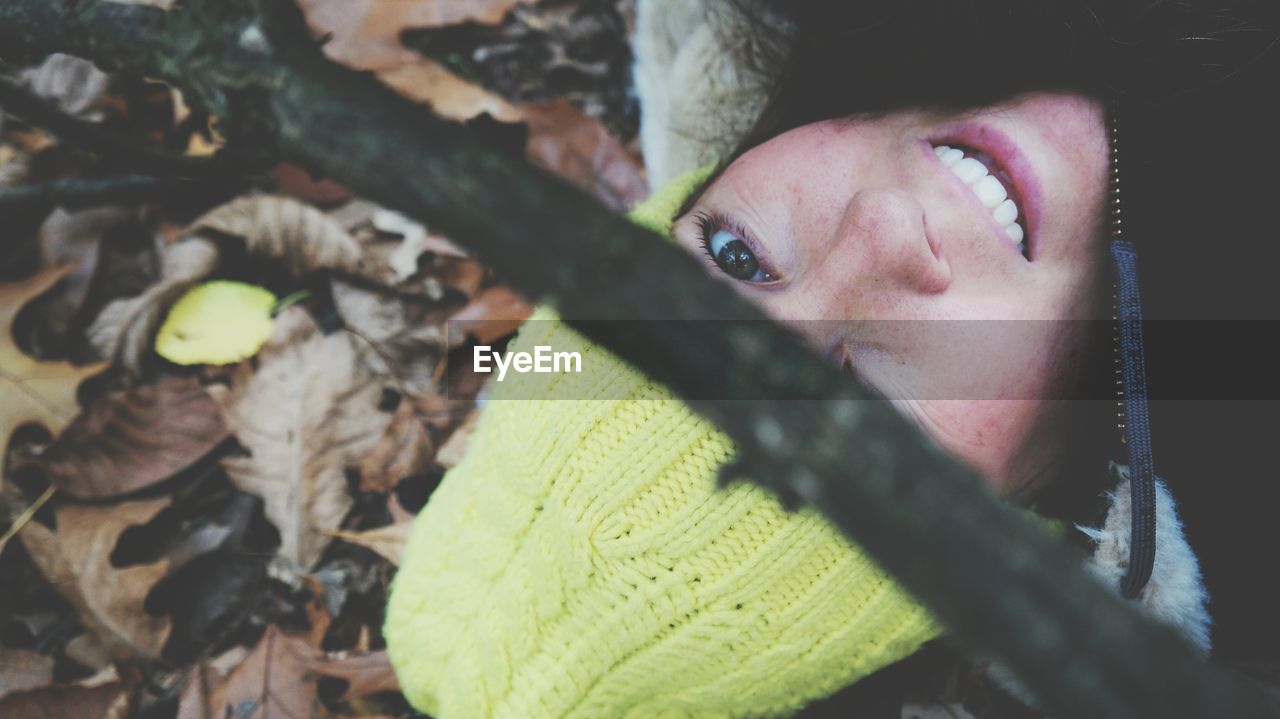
219, 322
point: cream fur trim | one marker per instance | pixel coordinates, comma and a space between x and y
1176, 592
698, 91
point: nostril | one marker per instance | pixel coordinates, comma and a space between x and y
935, 245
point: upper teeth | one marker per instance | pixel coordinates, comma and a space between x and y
989, 190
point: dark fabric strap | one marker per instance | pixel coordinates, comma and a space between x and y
1137, 428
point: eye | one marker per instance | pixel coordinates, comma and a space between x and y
730, 251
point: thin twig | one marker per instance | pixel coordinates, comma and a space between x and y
25, 516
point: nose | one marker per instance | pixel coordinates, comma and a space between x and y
881, 248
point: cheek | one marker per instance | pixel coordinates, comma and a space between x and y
992, 436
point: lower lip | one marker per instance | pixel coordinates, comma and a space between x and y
1007, 155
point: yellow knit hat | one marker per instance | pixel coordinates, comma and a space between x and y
580, 562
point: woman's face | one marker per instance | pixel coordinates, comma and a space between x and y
948, 279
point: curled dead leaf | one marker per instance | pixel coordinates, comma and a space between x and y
128, 440
564, 140
124, 329
307, 412
404, 449
299, 235
491, 315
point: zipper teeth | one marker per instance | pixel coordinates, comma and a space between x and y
1117, 232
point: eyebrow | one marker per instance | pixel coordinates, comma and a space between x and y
697, 194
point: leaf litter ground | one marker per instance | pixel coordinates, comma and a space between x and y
218, 540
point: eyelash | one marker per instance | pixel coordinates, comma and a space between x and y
709, 223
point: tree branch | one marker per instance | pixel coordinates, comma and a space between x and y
925, 517
72, 130
78, 193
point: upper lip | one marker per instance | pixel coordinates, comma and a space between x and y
1006, 153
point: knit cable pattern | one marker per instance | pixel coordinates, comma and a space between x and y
581, 562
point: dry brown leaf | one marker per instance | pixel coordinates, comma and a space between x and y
274, 680
460, 274
400, 346
449, 96
491, 315
205, 689
88, 652
318, 618
388, 541
452, 451
296, 182
74, 84
104, 676
416, 241
131, 439
377, 316
76, 559
365, 34
111, 701
366, 673
414, 234
13, 164
309, 411
399, 514
299, 235
395, 240
441, 245
404, 449
32, 391
567, 142
204, 696
22, 671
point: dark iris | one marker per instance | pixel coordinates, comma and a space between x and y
737, 261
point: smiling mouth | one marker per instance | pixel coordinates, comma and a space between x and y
991, 184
